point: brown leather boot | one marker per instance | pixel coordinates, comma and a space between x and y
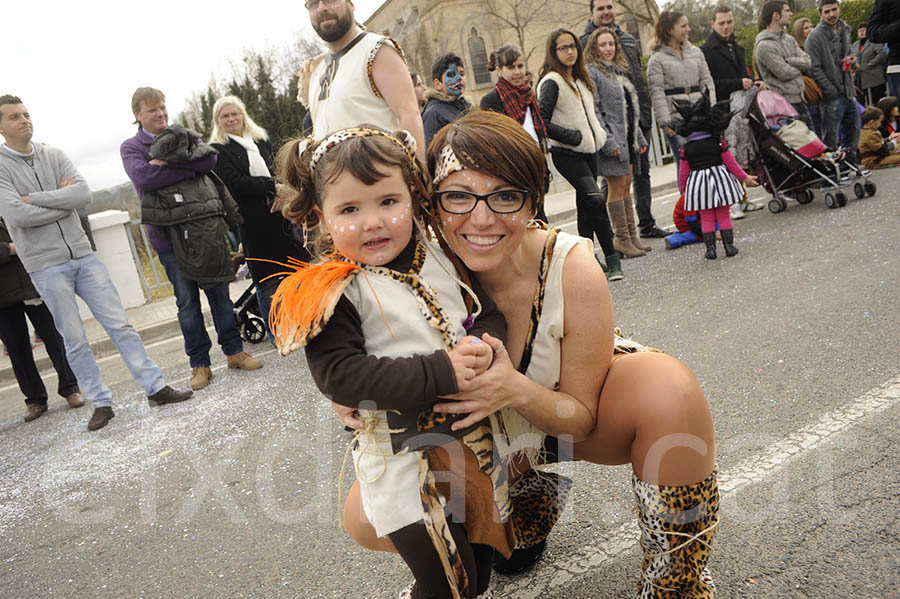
75, 400
168, 395
100, 418
243, 361
632, 226
200, 377
33, 411
622, 239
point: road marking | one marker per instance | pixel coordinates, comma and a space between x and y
752, 470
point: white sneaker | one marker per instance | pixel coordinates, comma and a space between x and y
736, 212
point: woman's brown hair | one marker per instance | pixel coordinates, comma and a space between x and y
552, 63
797, 31
592, 55
497, 145
664, 25
504, 57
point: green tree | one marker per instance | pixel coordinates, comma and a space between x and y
267, 84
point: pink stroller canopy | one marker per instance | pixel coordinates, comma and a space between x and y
774, 107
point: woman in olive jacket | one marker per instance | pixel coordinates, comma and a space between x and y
246, 166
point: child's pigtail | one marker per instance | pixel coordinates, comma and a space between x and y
294, 171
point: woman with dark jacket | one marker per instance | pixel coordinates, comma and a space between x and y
246, 165
515, 98
18, 297
566, 99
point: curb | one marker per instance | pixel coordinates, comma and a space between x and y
565, 216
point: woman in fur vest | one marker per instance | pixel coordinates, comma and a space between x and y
616, 105
566, 101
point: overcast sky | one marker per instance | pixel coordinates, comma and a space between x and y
76, 64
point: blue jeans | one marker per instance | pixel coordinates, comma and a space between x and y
676, 142
841, 113
264, 292
815, 113
88, 278
190, 315
893, 84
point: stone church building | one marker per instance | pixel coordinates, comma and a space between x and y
473, 29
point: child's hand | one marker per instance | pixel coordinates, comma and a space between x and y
469, 358
349, 417
751, 181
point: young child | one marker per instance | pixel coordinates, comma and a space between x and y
709, 175
874, 150
383, 318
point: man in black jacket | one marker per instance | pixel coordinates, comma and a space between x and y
884, 28
603, 14
445, 103
725, 58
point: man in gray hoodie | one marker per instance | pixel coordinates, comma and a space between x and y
833, 67
40, 192
779, 59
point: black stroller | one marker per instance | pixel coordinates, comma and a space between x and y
786, 172
251, 325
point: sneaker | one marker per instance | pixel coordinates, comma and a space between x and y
168, 395
654, 232
200, 377
34, 411
736, 212
243, 361
75, 400
101, 418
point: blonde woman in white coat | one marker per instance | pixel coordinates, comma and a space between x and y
566, 101
676, 71
617, 106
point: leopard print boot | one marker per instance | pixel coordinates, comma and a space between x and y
677, 527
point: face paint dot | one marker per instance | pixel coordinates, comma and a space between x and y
335, 228
342, 229
394, 220
352, 227
450, 219
515, 217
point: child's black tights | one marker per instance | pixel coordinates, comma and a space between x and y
415, 547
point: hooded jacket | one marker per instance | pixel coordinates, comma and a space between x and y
47, 231
826, 49
441, 109
781, 63
667, 70
193, 212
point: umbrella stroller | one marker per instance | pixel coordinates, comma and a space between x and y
792, 162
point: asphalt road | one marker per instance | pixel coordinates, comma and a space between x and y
234, 493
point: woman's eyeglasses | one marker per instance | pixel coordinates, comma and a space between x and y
505, 201
565, 48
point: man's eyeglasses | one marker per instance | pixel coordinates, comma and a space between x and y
313, 4
505, 201
565, 48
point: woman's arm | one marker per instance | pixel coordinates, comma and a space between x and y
656, 80
586, 352
549, 94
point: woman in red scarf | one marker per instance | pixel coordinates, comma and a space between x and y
515, 98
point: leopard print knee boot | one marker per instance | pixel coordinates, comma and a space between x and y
677, 527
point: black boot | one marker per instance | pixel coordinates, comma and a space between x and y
728, 243
710, 240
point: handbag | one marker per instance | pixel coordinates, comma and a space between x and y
811, 91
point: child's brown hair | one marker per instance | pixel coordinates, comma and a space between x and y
872, 113
366, 152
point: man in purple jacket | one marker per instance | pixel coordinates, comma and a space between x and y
149, 107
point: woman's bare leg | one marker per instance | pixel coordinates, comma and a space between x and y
358, 526
653, 415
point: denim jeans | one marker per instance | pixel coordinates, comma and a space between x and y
841, 113
815, 113
88, 278
264, 292
676, 142
893, 83
190, 315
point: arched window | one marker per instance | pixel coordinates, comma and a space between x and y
479, 58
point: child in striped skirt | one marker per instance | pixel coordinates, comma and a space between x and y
709, 176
